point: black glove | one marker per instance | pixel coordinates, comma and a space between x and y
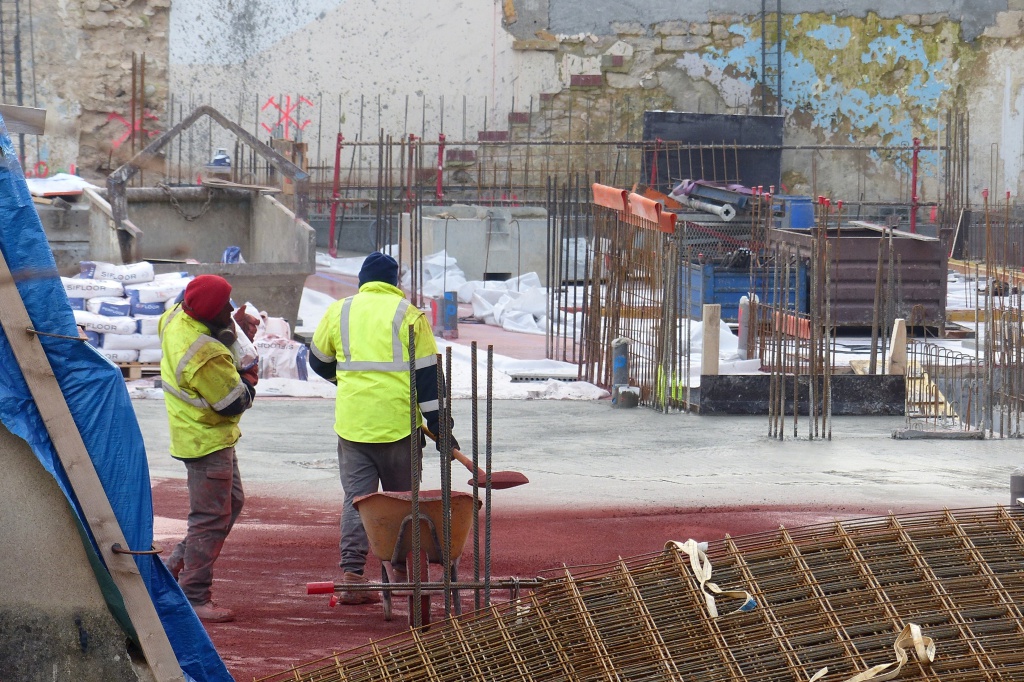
434, 426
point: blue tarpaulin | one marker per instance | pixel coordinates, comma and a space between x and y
98, 400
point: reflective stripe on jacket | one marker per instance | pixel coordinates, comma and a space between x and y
368, 336
199, 377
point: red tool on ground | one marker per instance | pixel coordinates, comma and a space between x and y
499, 479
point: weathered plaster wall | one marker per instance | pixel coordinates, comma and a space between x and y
334, 52
881, 73
83, 78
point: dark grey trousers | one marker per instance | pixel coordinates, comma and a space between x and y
215, 500
364, 466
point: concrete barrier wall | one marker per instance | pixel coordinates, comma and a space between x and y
167, 233
277, 237
54, 623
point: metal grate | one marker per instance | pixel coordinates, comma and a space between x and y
836, 595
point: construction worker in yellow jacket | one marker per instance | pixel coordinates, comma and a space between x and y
362, 344
205, 397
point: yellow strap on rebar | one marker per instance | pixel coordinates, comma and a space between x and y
701, 567
910, 636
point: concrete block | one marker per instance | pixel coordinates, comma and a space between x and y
700, 29
535, 45
492, 136
684, 43
628, 28
581, 80
672, 28
1008, 25
852, 394
719, 32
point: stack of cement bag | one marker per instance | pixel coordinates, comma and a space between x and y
118, 306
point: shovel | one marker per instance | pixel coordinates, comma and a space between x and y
499, 479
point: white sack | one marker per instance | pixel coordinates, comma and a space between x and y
148, 324
120, 355
109, 306
283, 359
157, 291
91, 288
150, 355
136, 273
105, 325
129, 341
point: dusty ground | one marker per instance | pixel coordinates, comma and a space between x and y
280, 544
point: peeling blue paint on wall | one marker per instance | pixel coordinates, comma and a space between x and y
835, 104
834, 37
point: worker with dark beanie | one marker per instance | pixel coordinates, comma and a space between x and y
205, 397
362, 345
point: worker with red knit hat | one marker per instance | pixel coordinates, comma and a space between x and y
205, 397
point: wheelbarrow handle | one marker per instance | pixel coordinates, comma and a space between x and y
463, 459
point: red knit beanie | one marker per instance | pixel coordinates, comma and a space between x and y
205, 296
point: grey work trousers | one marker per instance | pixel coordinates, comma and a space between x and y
215, 500
363, 466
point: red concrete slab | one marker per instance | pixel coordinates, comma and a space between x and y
278, 545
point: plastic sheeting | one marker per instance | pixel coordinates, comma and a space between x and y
98, 400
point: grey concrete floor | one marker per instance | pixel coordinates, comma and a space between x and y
587, 454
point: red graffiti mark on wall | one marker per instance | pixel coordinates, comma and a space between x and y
285, 109
129, 128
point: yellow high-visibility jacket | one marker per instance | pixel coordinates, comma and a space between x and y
199, 377
367, 335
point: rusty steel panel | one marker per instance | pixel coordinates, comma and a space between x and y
919, 273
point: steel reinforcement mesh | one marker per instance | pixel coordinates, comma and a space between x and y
835, 595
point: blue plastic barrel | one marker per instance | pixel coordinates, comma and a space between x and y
799, 212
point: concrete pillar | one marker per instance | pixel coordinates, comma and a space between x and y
896, 363
709, 356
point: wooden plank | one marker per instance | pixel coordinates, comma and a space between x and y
27, 120
67, 441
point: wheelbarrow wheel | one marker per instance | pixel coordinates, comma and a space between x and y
385, 596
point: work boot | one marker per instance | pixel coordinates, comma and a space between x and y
212, 614
357, 597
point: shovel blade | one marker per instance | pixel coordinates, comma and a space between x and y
501, 480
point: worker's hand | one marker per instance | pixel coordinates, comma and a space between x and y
451, 439
248, 323
251, 376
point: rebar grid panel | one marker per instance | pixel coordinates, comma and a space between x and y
634, 293
944, 388
835, 594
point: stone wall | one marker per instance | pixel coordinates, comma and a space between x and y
83, 75
878, 76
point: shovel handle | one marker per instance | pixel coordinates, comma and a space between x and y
463, 459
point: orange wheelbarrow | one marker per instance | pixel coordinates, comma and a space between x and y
387, 518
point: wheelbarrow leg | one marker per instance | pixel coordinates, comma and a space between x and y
385, 597
424, 596
453, 573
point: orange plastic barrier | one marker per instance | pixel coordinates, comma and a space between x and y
609, 197
645, 208
792, 325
